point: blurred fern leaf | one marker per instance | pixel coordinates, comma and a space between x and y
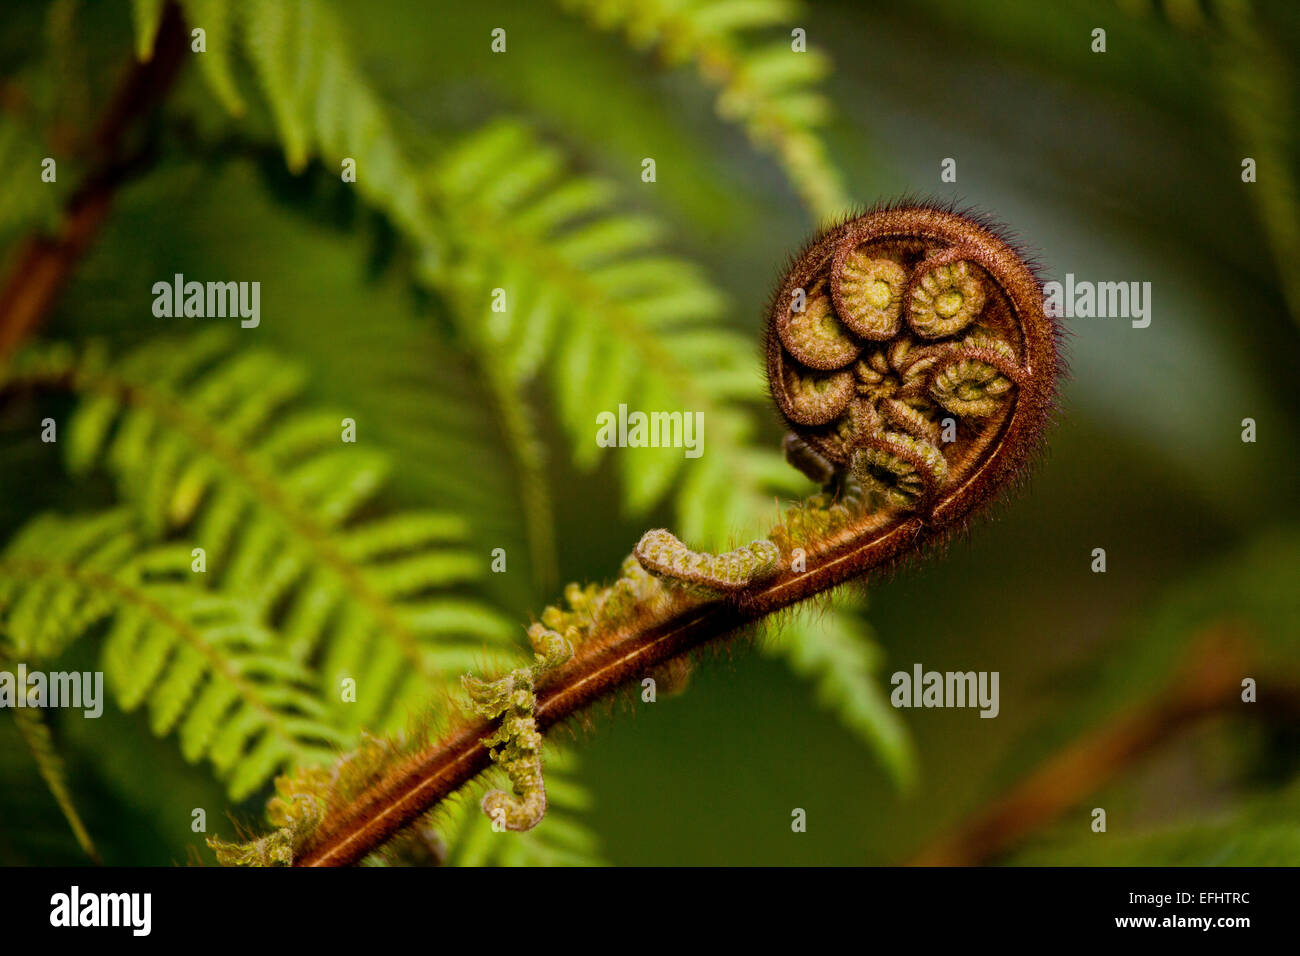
1265, 833
831, 650
146, 16
215, 17
769, 89
49, 763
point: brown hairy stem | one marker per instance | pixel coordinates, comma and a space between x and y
1209, 685
600, 668
43, 264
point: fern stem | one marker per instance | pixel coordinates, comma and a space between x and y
44, 263
528, 455
36, 732
1206, 686
603, 664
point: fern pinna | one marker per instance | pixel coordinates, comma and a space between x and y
208, 670
207, 442
253, 585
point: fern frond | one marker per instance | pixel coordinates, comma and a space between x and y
831, 652
201, 662
1252, 72
463, 443
607, 319
49, 763
146, 17
214, 444
42, 613
559, 840
769, 90
324, 106
217, 20
34, 204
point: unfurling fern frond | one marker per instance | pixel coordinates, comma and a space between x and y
592, 305
321, 104
211, 445
766, 89
559, 840
200, 661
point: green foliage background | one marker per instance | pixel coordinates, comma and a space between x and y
522, 170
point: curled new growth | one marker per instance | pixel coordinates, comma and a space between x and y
909, 348
909, 353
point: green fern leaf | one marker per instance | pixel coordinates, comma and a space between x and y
830, 651
36, 732
768, 90
200, 660
147, 16
34, 204
324, 106
212, 444
214, 17
607, 319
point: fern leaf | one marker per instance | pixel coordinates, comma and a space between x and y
832, 653
200, 660
324, 106
214, 17
28, 206
213, 444
1250, 71
36, 732
1263, 833
436, 425
607, 319
768, 90
147, 16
